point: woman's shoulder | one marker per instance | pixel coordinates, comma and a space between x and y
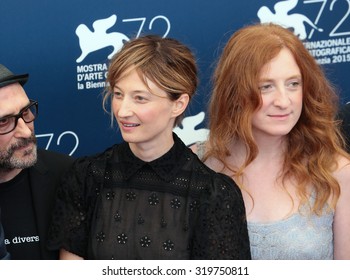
90, 165
227, 184
199, 148
221, 190
100, 156
343, 168
342, 173
215, 181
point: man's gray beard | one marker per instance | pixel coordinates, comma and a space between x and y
9, 162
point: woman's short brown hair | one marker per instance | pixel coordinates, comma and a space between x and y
165, 61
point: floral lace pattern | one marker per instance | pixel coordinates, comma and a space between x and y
115, 206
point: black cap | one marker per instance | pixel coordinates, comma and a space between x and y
7, 77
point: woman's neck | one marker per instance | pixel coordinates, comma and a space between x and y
268, 149
151, 151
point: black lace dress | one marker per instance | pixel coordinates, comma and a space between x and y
116, 206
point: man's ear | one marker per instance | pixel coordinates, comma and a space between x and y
180, 104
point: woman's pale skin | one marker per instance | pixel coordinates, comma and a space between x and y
281, 91
146, 117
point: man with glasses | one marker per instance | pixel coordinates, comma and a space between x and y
28, 176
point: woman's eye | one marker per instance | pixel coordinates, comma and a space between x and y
264, 88
140, 98
294, 84
117, 95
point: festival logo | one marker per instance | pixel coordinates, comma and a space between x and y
334, 47
97, 39
188, 133
93, 75
282, 15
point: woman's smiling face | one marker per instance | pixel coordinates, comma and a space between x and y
145, 114
280, 85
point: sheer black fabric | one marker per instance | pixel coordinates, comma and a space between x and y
115, 206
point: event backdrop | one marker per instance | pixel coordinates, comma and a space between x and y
65, 46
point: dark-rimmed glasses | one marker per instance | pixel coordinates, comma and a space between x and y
27, 114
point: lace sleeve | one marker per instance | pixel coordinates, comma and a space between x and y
221, 231
69, 226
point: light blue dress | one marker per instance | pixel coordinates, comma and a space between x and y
301, 236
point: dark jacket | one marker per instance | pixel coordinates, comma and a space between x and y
45, 176
4, 255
